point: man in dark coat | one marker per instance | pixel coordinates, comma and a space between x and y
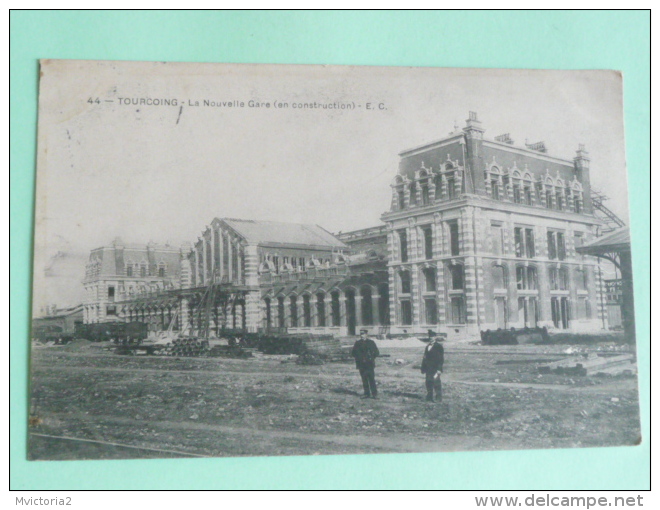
434, 358
365, 353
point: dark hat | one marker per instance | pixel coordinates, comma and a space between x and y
365, 331
432, 333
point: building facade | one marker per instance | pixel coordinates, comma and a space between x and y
481, 234
120, 272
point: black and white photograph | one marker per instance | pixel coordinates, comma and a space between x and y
260, 260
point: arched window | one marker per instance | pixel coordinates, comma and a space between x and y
429, 279
451, 185
559, 278
526, 278
336, 309
129, 270
307, 311
280, 312
143, 269
494, 181
320, 309
293, 310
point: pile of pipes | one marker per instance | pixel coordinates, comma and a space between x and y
190, 347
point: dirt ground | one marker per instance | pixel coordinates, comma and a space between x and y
89, 403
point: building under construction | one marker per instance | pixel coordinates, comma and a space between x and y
481, 234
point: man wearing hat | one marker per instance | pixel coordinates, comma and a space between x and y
365, 353
434, 358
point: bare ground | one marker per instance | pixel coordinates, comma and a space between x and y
90, 403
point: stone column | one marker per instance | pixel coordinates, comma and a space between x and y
375, 309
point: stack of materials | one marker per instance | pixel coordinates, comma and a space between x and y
189, 347
592, 365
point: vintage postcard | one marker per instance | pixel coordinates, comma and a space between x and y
236, 260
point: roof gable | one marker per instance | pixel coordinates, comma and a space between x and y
273, 232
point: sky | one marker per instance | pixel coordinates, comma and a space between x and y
109, 168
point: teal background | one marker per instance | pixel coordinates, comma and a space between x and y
521, 39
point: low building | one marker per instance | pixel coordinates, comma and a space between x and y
57, 320
122, 271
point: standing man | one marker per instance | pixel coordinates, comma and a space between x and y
365, 353
434, 358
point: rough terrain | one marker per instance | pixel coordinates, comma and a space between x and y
88, 402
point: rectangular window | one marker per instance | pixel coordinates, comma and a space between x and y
428, 243
548, 199
425, 194
497, 238
552, 245
111, 294
429, 278
431, 308
516, 194
524, 239
529, 243
527, 195
556, 245
111, 310
458, 310
401, 199
403, 245
451, 187
578, 206
454, 238
404, 276
406, 313
495, 189
520, 241
561, 246
521, 280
